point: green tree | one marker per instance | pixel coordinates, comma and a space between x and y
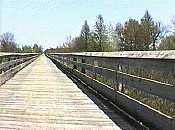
153, 31
112, 39
93, 44
27, 49
132, 35
119, 40
84, 36
37, 48
100, 33
142, 35
148, 27
78, 45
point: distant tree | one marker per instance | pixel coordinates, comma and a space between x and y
101, 33
148, 26
160, 32
84, 35
8, 44
93, 44
27, 49
112, 39
132, 36
119, 40
64, 48
153, 31
37, 48
168, 43
142, 35
78, 44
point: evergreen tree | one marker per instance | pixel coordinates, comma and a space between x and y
112, 39
119, 36
37, 48
148, 27
101, 33
153, 31
84, 35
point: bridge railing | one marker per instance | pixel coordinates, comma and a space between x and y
120, 75
10, 63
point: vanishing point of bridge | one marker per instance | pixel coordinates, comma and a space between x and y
36, 94
41, 97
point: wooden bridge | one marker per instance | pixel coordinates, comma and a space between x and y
54, 91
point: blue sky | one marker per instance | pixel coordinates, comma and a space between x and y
49, 22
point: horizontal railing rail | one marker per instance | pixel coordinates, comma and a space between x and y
149, 72
10, 63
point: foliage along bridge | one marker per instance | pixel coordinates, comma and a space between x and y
85, 91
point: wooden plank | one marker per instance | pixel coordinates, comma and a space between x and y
166, 91
12, 71
163, 90
169, 54
40, 96
10, 54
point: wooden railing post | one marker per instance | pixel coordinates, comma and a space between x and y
82, 68
74, 65
11, 63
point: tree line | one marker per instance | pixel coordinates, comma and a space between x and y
8, 44
134, 35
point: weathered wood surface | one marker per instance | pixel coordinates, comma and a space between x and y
170, 54
10, 54
13, 64
41, 97
125, 71
149, 72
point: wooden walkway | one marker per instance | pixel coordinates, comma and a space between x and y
41, 97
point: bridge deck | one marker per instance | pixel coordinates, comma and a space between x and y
41, 97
